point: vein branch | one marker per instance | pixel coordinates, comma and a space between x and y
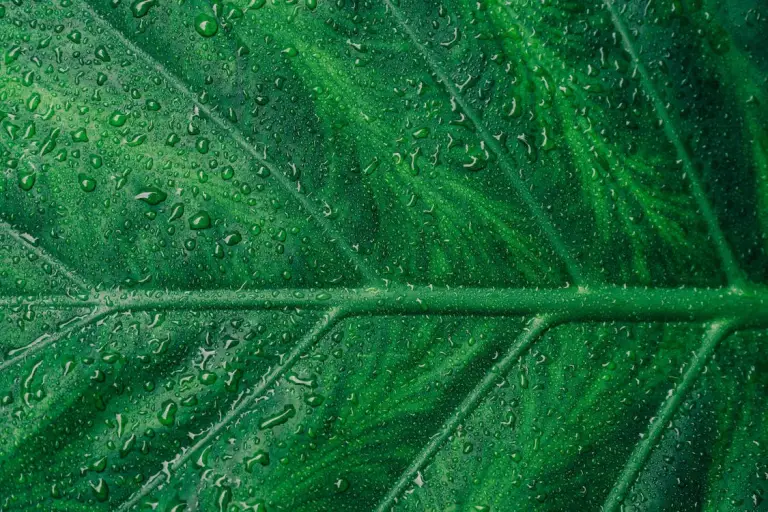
44, 341
731, 267
236, 135
717, 331
533, 331
56, 264
541, 218
568, 304
322, 328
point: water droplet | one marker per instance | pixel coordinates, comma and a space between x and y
233, 238
278, 419
203, 145
260, 457
167, 414
100, 490
314, 400
227, 173
101, 53
223, 499
87, 183
128, 446
208, 378
177, 212
341, 485
140, 8
206, 25
80, 135
27, 181
117, 119
200, 220
299, 381
33, 102
151, 195
99, 465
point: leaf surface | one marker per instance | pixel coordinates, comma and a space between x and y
374, 255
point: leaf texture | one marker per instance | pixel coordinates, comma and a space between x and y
383, 255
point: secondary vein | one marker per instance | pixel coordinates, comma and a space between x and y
534, 330
54, 262
234, 133
322, 328
21, 353
541, 218
730, 266
717, 331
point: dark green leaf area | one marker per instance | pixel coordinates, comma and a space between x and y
376, 255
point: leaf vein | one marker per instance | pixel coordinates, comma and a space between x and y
235, 134
546, 225
732, 270
717, 331
43, 342
532, 333
321, 329
54, 262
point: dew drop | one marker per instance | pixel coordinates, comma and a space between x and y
200, 220
102, 54
206, 25
151, 195
167, 414
278, 419
260, 457
117, 119
140, 8
27, 181
100, 490
87, 183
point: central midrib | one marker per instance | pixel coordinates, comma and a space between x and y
574, 304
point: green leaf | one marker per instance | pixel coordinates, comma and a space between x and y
383, 254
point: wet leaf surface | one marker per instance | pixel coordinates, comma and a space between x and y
357, 255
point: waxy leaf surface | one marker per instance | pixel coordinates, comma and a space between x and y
350, 255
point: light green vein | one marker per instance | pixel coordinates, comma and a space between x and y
714, 335
321, 328
535, 329
57, 265
541, 218
19, 354
234, 133
731, 268
595, 304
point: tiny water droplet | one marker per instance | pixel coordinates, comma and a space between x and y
87, 183
200, 220
167, 414
206, 25
151, 195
